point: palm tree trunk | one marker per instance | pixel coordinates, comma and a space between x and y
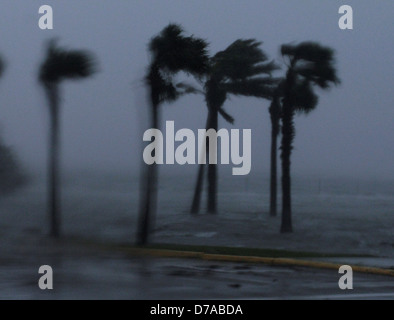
275, 116
286, 183
198, 190
200, 178
148, 195
212, 169
287, 140
273, 176
53, 182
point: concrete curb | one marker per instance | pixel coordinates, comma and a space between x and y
252, 259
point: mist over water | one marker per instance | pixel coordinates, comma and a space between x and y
344, 215
342, 173
350, 133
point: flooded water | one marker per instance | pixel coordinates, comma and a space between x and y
347, 217
330, 215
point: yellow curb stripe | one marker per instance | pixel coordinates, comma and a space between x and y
297, 262
252, 259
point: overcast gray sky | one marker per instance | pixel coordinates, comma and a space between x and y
350, 132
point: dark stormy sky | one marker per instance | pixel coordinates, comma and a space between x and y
351, 132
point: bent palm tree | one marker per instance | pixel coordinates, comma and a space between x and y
172, 52
309, 64
59, 65
242, 70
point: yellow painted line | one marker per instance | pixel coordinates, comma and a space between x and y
298, 262
252, 259
247, 259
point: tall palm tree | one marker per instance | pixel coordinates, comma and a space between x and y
242, 70
60, 64
195, 208
308, 64
275, 111
172, 52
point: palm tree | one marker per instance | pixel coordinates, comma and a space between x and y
242, 70
172, 52
275, 111
59, 65
195, 208
308, 64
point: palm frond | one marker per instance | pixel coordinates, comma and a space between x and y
172, 51
312, 64
162, 88
188, 88
241, 60
63, 64
309, 51
321, 74
226, 116
267, 68
303, 97
256, 87
312, 61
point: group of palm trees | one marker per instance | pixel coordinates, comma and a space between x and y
242, 69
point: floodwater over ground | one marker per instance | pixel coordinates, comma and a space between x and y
349, 216
330, 216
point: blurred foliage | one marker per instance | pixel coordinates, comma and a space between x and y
63, 64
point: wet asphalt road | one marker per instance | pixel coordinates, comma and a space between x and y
93, 274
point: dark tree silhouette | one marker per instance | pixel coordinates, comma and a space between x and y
242, 70
172, 52
59, 65
275, 111
308, 64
